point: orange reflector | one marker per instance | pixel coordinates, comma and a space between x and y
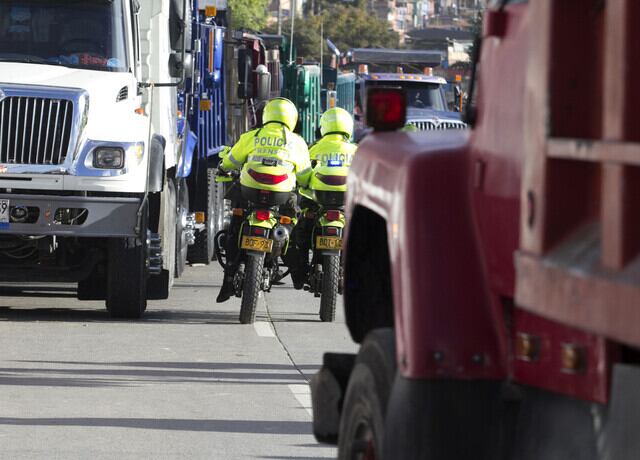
179, 114
140, 111
201, 217
458, 78
205, 105
573, 358
210, 11
238, 211
285, 220
527, 347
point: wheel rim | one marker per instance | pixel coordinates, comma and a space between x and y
364, 447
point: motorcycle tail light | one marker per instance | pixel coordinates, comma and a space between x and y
333, 215
259, 231
332, 180
332, 231
268, 179
263, 215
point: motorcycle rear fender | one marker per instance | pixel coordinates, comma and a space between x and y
268, 224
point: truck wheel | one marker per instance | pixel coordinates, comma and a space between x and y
330, 281
251, 287
362, 424
202, 251
159, 286
181, 240
127, 274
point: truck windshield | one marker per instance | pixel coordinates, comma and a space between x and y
420, 95
82, 34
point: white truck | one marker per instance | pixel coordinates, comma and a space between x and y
89, 147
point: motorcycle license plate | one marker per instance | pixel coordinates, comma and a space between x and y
4, 211
329, 242
255, 243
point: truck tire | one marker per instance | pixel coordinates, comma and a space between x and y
181, 241
330, 285
159, 286
203, 249
251, 288
361, 431
127, 274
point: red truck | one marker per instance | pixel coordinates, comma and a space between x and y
492, 278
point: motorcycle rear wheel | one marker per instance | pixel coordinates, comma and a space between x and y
330, 285
251, 287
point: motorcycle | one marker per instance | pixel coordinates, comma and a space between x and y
324, 223
262, 238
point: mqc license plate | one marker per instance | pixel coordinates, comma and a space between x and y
255, 243
329, 242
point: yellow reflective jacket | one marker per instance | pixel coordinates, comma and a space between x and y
333, 147
271, 150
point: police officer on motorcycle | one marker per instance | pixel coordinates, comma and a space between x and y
274, 144
336, 128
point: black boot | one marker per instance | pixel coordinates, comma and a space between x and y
226, 291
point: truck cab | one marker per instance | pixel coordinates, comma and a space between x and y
427, 108
89, 147
491, 274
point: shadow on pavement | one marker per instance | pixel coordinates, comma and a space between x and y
220, 426
117, 376
56, 314
175, 365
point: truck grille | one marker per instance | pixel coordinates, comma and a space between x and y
35, 130
429, 125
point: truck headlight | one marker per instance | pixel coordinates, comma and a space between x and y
108, 158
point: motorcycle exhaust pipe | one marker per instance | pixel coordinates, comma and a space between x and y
281, 233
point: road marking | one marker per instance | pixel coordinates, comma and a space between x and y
303, 395
263, 329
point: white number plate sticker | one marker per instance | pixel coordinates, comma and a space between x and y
4, 211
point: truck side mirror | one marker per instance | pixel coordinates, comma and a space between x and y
245, 74
178, 68
457, 98
264, 82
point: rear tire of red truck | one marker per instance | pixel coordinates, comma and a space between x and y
361, 431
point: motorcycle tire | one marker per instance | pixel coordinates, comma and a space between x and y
330, 285
251, 287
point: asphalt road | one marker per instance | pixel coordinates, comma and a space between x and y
187, 381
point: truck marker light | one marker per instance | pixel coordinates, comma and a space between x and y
139, 111
205, 105
527, 347
200, 217
263, 215
573, 358
210, 11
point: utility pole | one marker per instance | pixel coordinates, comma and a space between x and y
279, 17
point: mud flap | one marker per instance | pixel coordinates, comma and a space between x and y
621, 440
328, 389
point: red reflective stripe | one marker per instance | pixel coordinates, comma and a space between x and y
269, 179
332, 180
